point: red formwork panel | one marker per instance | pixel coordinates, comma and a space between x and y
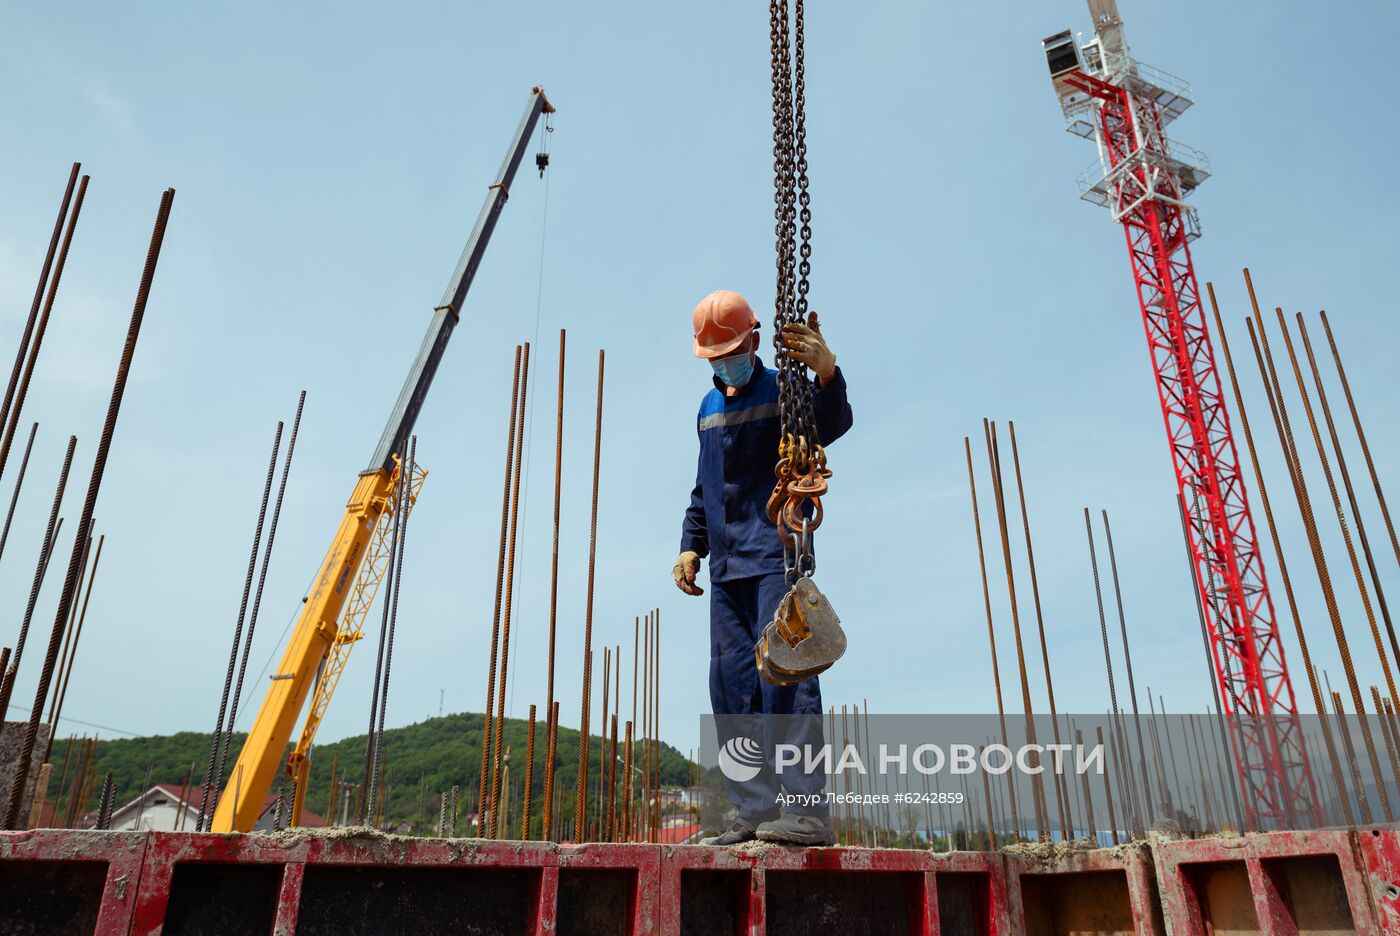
769, 890
122, 853
1380, 861
1064, 888
1273, 883
555, 888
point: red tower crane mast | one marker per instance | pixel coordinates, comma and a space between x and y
1143, 179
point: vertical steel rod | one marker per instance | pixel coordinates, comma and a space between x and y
45, 550
1273, 391
262, 576
1361, 436
529, 777
1340, 511
13, 410
1356, 567
486, 721
999, 498
1061, 788
549, 765
19, 484
104, 444
987, 602
214, 778
410, 470
38, 301
1143, 803
497, 755
1351, 491
1278, 545
1108, 666
585, 744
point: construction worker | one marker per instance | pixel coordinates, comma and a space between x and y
727, 520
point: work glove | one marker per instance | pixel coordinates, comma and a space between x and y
805, 343
684, 572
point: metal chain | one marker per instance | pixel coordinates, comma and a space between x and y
800, 451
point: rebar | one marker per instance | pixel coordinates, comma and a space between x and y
14, 408
1351, 491
109, 795
987, 602
1203, 800
610, 828
500, 590
1351, 754
999, 498
330, 792
1120, 753
987, 798
19, 484
452, 824
400, 484
656, 719
405, 506
1168, 799
262, 577
278, 806
1341, 515
1108, 666
554, 557
529, 777
1061, 789
1386, 735
603, 740
1221, 730
217, 750
585, 728
70, 582
1273, 392
67, 634
645, 739
1327, 590
497, 756
1088, 795
1278, 547
184, 795
77, 635
627, 829
1361, 436
1144, 797
34, 306
45, 549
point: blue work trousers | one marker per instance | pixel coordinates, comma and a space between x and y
739, 610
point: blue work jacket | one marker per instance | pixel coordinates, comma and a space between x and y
727, 518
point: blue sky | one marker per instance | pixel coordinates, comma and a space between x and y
329, 161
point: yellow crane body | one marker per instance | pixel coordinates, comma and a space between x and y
316, 630
318, 648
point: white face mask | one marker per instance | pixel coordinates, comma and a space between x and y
734, 371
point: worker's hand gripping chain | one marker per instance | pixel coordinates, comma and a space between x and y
805, 635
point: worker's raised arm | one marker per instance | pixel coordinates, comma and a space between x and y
806, 343
832, 409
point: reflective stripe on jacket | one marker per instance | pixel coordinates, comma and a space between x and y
726, 519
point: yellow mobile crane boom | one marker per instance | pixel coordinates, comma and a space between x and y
333, 615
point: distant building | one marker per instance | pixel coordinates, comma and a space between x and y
161, 808
685, 833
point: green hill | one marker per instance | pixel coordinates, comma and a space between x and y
421, 760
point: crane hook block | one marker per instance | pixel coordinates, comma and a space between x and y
541, 163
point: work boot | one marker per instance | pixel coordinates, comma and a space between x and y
738, 832
792, 829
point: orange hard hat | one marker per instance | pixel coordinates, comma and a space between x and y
722, 321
